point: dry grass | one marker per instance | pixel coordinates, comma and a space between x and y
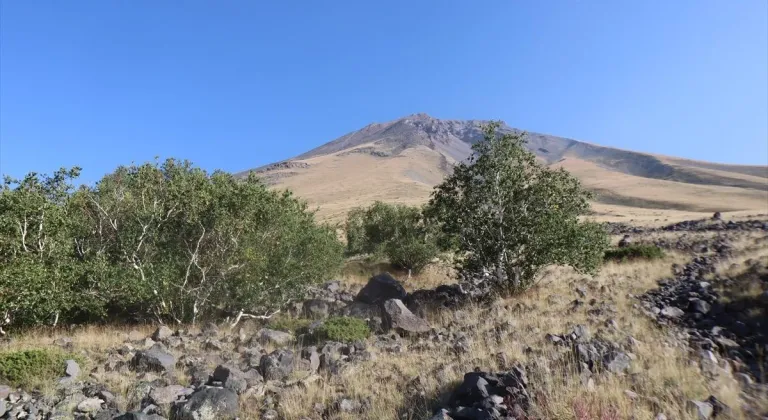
663, 376
407, 385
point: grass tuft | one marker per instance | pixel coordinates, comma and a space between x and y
31, 368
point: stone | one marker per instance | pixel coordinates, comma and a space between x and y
162, 333
345, 405
625, 241
311, 354
138, 416
397, 316
231, 378
5, 391
72, 369
164, 396
616, 361
672, 312
278, 338
702, 409
154, 359
699, 306
362, 310
276, 365
381, 288
270, 415
316, 309
209, 404
90, 405
3, 408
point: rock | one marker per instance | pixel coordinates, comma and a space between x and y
3, 408
162, 333
311, 354
64, 342
5, 390
660, 416
230, 378
138, 416
672, 312
209, 404
702, 409
443, 414
381, 288
616, 361
397, 316
90, 405
155, 359
72, 369
346, 405
270, 415
717, 216
625, 241
699, 306
276, 365
164, 396
316, 309
362, 310
278, 338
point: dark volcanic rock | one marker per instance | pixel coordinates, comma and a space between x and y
154, 359
209, 404
381, 288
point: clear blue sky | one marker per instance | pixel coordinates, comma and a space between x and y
236, 84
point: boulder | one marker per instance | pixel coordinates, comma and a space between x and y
72, 369
154, 359
164, 396
276, 365
316, 309
361, 310
702, 409
699, 306
672, 312
616, 362
397, 316
278, 338
381, 288
209, 404
230, 378
162, 333
90, 405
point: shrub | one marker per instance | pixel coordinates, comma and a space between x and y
634, 251
510, 215
343, 329
29, 368
397, 232
156, 241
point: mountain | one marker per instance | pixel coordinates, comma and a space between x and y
401, 160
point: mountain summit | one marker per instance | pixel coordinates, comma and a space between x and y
401, 160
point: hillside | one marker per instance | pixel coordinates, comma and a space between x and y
401, 160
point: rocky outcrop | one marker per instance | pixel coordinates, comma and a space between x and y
490, 396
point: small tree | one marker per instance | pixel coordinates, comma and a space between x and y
510, 215
397, 232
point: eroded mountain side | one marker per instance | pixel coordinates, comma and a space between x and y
412, 154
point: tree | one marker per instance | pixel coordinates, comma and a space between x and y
156, 241
510, 215
395, 231
38, 272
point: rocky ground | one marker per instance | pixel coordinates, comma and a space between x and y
683, 337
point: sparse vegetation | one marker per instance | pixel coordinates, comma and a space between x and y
510, 215
343, 329
289, 324
633, 252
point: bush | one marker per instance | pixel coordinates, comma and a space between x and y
512, 216
343, 329
30, 368
633, 252
156, 241
397, 232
